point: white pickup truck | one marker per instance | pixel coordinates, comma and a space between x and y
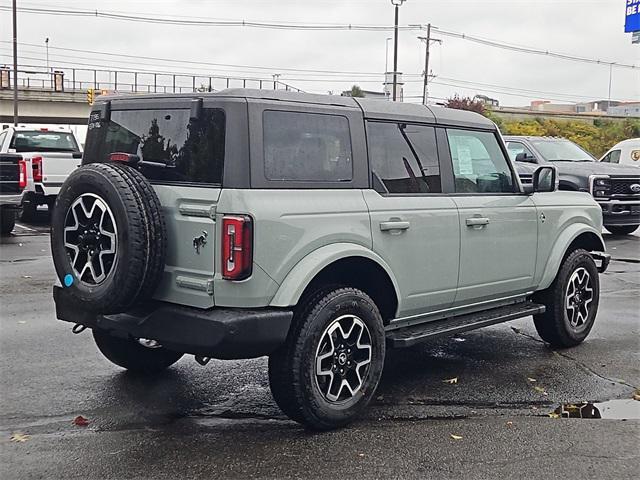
50, 154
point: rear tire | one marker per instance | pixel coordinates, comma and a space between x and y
330, 366
129, 354
622, 229
7, 221
571, 302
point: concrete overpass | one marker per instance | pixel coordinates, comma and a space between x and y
39, 106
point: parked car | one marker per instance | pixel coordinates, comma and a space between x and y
615, 187
626, 152
317, 230
13, 179
51, 154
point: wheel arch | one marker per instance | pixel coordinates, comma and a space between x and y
341, 264
572, 238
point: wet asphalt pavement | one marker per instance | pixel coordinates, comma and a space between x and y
220, 421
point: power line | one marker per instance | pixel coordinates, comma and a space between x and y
143, 18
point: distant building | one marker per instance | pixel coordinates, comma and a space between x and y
597, 107
628, 109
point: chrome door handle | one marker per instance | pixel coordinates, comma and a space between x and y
477, 221
394, 225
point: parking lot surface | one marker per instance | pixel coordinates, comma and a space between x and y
474, 406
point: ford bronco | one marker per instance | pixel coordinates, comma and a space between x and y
316, 230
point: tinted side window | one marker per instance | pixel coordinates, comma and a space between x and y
614, 156
306, 147
404, 157
172, 147
479, 166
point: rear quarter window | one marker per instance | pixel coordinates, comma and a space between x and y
306, 147
172, 147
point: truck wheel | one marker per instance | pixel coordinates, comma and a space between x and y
108, 237
571, 301
622, 229
329, 368
129, 354
29, 209
7, 221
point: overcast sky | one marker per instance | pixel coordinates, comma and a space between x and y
587, 28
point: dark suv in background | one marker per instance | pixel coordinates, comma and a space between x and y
615, 187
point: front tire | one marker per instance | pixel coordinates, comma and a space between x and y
330, 366
571, 302
129, 354
622, 229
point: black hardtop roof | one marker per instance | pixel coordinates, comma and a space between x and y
371, 108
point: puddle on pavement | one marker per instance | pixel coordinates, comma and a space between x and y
625, 409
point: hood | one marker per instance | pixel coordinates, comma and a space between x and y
596, 168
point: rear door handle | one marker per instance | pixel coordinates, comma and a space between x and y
477, 221
394, 225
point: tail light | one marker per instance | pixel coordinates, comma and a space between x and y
36, 166
22, 174
237, 247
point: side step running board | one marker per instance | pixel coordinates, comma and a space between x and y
406, 337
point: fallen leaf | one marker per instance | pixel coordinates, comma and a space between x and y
636, 395
554, 415
26, 276
509, 424
455, 437
19, 437
540, 390
532, 380
361, 454
451, 381
80, 421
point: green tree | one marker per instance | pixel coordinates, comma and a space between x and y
355, 91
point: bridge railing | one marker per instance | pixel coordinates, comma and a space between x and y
75, 80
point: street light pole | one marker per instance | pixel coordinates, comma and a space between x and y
46, 43
15, 64
397, 4
386, 55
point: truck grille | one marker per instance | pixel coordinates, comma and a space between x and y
622, 186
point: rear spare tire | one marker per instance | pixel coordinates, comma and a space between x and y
108, 237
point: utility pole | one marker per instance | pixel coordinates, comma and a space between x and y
610, 82
15, 64
427, 40
397, 4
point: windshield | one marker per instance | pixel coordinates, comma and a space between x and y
561, 150
42, 141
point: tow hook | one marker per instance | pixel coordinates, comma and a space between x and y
78, 328
202, 360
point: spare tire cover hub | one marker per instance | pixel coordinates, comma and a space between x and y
91, 238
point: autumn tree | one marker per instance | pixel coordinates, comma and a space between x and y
466, 103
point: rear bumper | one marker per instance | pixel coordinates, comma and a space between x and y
225, 333
11, 200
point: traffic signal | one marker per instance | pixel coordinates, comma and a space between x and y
90, 96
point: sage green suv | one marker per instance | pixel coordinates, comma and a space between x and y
316, 230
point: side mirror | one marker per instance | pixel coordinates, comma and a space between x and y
545, 179
523, 157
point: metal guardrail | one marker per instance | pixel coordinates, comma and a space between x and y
128, 81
